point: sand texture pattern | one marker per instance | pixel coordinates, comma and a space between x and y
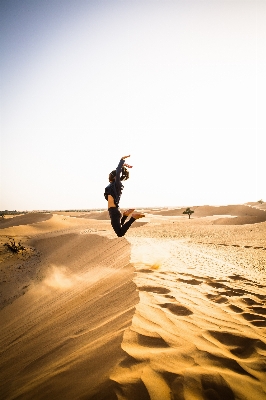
190, 323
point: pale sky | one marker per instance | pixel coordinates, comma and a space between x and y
179, 85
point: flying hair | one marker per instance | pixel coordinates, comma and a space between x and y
124, 174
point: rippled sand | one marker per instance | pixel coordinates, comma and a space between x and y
190, 323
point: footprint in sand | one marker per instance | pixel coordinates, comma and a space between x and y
217, 298
154, 289
240, 292
192, 276
216, 284
177, 309
258, 310
237, 278
255, 319
260, 296
235, 308
250, 302
245, 280
190, 281
145, 271
235, 292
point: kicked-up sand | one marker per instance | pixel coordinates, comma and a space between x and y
175, 310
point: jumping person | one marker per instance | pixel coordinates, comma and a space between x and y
113, 193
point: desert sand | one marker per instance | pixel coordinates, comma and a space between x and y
175, 310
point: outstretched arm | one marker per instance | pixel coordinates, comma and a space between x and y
119, 169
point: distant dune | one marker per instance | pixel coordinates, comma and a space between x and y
261, 206
99, 215
25, 219
175, 310
243, 214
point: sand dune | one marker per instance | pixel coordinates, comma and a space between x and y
242, 214
99, 215
63, 319
53, 224
77, 323
257, 204
25, 219
104, 215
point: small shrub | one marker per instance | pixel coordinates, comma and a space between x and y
12, 246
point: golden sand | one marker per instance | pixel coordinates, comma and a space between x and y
175, 310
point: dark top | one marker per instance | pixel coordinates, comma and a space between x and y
115, 188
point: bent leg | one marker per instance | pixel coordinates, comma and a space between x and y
116, 221
126, 214
123, 220
125, 227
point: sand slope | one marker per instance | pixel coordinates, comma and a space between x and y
61, 338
